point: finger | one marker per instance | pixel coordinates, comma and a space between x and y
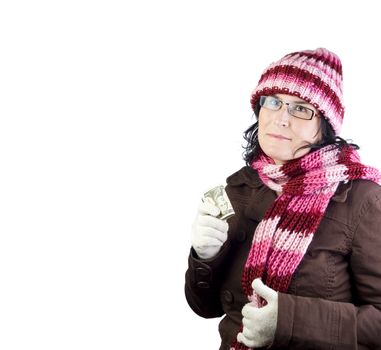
209, 209
262, 290
248, 310
242, 339
254, 316
248, 333
210, 221
246, 322
206, 241
209, 232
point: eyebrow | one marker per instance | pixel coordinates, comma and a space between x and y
299, 101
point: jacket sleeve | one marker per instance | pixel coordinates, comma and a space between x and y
202, 283
305, 322
203, 278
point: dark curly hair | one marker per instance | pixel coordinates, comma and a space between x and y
329, 137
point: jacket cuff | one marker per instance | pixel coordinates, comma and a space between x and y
204, 272
285, 321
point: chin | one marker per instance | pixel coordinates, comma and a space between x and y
277, 157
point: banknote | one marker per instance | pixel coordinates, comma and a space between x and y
218, 196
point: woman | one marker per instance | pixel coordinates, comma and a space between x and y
299, 264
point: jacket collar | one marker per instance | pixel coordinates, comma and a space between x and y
245, 176
261, 196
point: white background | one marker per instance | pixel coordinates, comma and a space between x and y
115, 116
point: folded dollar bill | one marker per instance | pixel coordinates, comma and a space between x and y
218, 196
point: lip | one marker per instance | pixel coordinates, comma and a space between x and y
279, 137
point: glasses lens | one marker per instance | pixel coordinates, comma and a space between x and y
270, 102
262, 100
300, 111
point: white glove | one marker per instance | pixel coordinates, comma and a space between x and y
259, 324
208, 232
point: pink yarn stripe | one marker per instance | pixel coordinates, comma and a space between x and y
316, 68
323, 57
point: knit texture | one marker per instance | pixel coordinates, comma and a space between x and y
314, 76
284, 234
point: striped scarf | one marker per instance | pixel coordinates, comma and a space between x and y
287, 228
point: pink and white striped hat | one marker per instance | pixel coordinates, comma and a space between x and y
314, 76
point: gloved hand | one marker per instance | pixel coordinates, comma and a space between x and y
208, 232
259, 324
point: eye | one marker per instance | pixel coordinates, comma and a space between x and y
272, 101
301, 109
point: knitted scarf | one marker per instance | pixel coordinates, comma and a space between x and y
282, 237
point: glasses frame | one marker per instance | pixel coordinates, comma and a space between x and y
289, 105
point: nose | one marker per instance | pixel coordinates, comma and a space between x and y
282, 117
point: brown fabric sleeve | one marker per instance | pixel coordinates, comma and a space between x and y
305, 322
202, 284
315, 323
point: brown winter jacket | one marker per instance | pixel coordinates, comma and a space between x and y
334, 299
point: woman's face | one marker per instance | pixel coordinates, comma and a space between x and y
280, 134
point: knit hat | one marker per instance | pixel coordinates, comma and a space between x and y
314, 76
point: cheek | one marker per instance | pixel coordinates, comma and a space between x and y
315, 135
261, 130
310, 133
263, 123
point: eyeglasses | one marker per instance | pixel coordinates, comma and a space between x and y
275, 104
